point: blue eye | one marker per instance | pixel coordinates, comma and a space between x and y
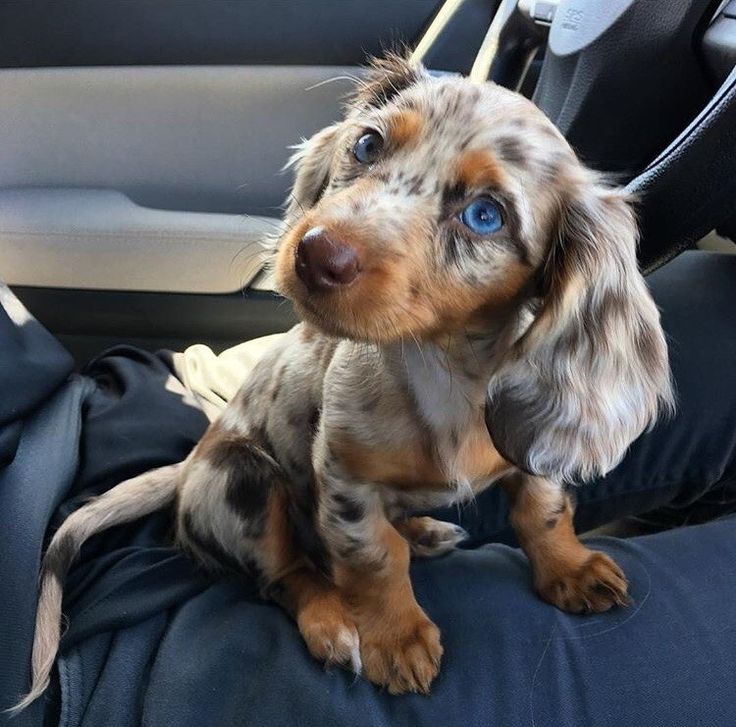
368, 148
482, 216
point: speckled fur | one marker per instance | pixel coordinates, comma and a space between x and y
375, 406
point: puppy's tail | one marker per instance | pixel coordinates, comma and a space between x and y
128, 501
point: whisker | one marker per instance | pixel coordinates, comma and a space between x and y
448, 366
301, 206
276, 224
470, 346
245, 247
352, 79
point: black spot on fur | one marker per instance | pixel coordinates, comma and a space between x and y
251, 474
249, 497
386, 78
380, 562
459, 248
207, 551
313, 420
350, 548
348, 509
415, 185
292, 464
451, 106
452, 254
646, 346
453, 194
297, 419
521, 247
346, 176
465, 143
302, 511
511, 150
549, 169
355, 550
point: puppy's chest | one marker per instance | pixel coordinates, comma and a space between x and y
417, 471
450, 405
415, 426
453, 455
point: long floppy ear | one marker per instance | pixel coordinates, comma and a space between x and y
312, 161
591, 372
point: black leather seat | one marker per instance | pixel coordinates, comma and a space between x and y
690, 188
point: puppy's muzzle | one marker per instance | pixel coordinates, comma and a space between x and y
324, 263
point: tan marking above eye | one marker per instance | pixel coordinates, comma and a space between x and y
479, 168
405, 127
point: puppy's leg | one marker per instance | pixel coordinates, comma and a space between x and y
315, 602
428, 537
399, 646
232, 514
566, 573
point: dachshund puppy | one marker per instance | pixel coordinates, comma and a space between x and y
458, 272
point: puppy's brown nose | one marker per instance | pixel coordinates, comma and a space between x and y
324, 263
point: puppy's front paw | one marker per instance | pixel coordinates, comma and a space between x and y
428, 537
329, 633
595, 586
402, 653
